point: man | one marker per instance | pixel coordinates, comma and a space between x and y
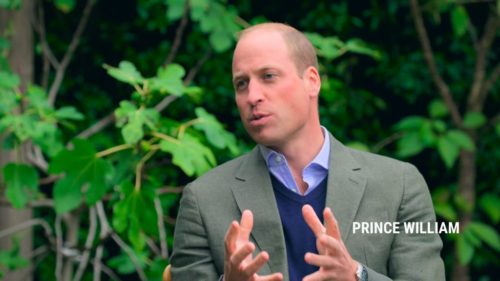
285, 210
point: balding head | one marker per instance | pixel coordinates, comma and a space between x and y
300, 48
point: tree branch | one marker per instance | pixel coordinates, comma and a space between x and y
194, 71
97, 127
161, 229
61, 69
98, 267
38, 24
178, 35
442, 87
110, 118
27, 224
108, 230
59, 249
97, 262
475, 96
490, 82
392, 138
88, 245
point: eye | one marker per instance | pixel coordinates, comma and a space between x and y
268, 76
240, 84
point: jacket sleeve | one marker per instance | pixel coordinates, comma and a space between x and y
191, 257
414, 256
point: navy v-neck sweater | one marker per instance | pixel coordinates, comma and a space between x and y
299, 238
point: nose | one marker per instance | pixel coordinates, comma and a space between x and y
255, 92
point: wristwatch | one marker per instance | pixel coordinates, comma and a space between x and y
361, 274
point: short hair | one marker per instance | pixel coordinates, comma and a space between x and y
301, 49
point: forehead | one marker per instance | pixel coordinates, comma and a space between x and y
258, 48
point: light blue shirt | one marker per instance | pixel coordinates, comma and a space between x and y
313, 174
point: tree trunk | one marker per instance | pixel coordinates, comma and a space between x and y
466, 189
20, 59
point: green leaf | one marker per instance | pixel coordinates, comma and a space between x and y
410, 144
486, 233
445, 211
22, 183
360, 47
10, 4
135, 234
68, 112
459, 20
126, 72
135, 215
38, 98
124, 112
85, 174
132, 121
48, 137
67, 194
220, 41
175, 9
489, 203
474, 120
327, 47
437, 109
8, 80
448, 150
65, 6
410, 123
472, 238
464, 250
12, 259
427, 134
461, 139
169, 80
189, 154
214, 131
124, 265
132, 132
8, 101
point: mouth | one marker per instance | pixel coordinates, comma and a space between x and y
258, 119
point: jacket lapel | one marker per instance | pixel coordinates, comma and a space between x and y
346, 185
253, 191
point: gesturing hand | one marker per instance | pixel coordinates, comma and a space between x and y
334, 261
238, 262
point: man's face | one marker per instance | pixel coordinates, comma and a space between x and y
275, 102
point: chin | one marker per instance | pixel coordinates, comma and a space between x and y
264, 139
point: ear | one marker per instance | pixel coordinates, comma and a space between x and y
313, 81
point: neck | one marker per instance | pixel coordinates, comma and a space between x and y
301, 151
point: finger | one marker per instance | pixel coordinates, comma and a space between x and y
273, 277
332, 227
319, 260
313, 221
246, 225
230, 238
330, 244
241, 253
316, 276
256, 264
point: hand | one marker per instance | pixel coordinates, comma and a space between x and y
334, 261
238, 262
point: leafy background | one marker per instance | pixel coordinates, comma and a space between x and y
108, 108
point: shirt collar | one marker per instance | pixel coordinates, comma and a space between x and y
320, 159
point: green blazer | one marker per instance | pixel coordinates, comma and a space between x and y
362, 187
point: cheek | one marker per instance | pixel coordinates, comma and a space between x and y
240, 104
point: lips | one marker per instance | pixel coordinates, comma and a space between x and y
259, 119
